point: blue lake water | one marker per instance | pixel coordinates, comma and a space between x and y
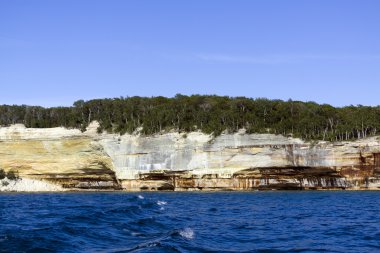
310, 221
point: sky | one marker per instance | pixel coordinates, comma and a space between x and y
53, 53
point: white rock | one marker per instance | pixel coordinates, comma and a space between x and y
27, 185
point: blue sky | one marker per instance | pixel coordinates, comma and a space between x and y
55, 52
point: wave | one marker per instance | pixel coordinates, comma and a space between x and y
187, 233
193, 222
161, 203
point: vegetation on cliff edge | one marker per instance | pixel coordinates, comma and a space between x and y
210, 114
11, 175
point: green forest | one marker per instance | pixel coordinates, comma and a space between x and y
209, 114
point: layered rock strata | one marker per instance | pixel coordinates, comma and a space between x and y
72, 160
62, 157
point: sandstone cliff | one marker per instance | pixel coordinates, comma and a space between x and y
70, 159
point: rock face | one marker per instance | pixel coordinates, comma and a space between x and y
63, 157
194, 161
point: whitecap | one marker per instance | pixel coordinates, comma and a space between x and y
187, 233
140, 197
161, 203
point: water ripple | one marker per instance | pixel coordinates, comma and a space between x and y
190, 222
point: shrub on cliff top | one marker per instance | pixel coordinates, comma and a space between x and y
12, 175
2, 174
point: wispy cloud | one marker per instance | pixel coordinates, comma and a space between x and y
282, 58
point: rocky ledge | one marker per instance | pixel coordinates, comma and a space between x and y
59, 159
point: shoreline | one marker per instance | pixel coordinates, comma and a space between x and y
202, 191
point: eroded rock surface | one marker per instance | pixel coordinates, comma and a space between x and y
194, 161
66, 158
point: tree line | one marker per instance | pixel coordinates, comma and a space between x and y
209, 114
